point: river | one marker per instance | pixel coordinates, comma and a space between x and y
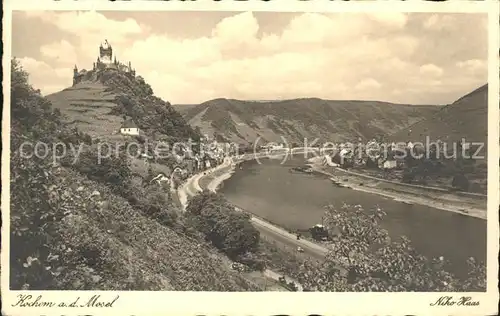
297, 200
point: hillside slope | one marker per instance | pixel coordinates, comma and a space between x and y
97, 106
467, 117
245, 121
84, 225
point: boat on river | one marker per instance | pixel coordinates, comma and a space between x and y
302, 169
336, 182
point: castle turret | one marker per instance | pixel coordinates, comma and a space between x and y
107, 60
75, 75
106, 52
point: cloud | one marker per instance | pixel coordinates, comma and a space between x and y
381, 56
34, 66
236, 29
90, 27
61, 51
391, 19
473, 65
236, 62
367, 84
45, 77
83, 22
439, 22
431, 70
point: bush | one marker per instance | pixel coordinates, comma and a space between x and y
371, 163
252, 260
155, 203
36, 206
460, 182
408, 176
228, 230
114, 170
151, 113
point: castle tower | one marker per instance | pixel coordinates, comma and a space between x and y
75, 75
106, 53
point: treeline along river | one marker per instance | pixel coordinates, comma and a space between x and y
296, 200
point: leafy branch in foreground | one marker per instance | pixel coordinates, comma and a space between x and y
364, 258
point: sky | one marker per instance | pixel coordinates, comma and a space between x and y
192, 57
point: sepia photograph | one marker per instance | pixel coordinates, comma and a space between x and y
249, 151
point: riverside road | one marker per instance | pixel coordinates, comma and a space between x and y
273, 233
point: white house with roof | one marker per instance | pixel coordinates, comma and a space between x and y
389, 164
129, 128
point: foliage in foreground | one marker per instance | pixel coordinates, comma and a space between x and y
364, 258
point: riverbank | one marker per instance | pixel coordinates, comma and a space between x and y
191, 186
212, 179
474, 205
467, 204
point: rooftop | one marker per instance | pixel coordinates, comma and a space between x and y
129, 124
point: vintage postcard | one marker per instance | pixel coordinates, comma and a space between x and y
250, 158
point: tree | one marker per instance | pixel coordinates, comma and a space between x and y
460, 182
36, 204
372, 163
151, 174
227, 229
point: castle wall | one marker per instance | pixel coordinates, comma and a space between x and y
77, 79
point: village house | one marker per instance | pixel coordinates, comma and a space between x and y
161, 177
389, 164
129, 128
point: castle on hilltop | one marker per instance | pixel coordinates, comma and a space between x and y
105, 60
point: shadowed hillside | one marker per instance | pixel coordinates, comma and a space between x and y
467, 117
245, 121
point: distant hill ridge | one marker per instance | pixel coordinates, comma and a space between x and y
296, 119
466, 118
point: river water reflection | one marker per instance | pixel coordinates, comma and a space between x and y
297, 200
